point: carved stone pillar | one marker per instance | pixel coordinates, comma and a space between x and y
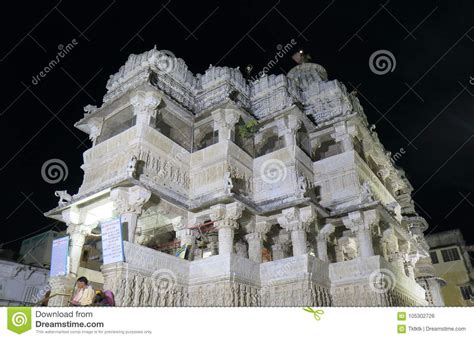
394, 254
226, 229
255, 241
343, 134
225, 217
224, 122
144, 106
186, 235
411, 263
77, 237
397, 259
287, 127
322, 241
360, 223
128, 203
425, 276
256, 230
281, 245
296, 221
61, 290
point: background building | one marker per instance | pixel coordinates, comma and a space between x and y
24, 276
452, 260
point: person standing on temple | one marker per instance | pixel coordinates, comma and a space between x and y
84, 293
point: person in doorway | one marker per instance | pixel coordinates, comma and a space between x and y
84, 293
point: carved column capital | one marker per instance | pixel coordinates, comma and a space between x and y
295, 218
225, 117
231, 211
129, 199
287, 127
224, 122
290, 219
144, 105
256, 236
78, 230
359, 221
226, 223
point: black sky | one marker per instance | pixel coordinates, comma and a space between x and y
432, 42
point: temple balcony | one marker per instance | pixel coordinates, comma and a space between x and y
281, 176
219, 170
345, 179
138, 153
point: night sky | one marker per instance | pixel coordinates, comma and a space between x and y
423, 105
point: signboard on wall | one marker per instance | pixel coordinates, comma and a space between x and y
59, 256
112, 244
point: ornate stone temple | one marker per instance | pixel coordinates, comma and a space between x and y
279, 188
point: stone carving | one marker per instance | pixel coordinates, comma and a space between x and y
129, 200
132, 167
228, 185
366, 192
302, 187
246, 181
90, 109
64, 197
160, 169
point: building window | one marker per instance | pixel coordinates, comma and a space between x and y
450, 254
434, 257
466, 292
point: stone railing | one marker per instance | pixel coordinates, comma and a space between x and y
357, 282
158, 161
220, 169
340, 176
275, 175
337, 179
